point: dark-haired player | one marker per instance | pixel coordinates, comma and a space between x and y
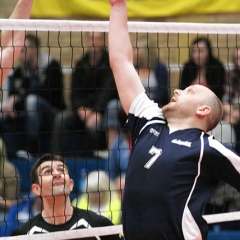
51, 181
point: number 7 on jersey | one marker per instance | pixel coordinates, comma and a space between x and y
156, 152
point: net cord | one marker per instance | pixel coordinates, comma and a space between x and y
110, 230
103, 26
71, 234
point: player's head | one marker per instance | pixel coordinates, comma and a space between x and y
198, 103
50, 176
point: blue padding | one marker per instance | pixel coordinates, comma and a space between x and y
24, 167
224, 235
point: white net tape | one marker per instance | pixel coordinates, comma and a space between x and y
72, 234
102, 26
95, 232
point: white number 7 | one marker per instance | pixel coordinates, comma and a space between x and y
156, 152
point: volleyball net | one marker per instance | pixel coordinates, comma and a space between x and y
168, 43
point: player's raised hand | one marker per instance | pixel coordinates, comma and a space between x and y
128, 84
114, 2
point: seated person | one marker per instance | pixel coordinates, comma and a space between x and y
225, 132
99, 198
81, 129
231, 87
203, 68
35, 96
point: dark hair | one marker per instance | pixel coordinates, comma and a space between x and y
33, 39
208, 44
45, 158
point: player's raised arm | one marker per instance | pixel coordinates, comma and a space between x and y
120, 52
12, 41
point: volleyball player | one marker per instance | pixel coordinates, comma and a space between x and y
174, 165
12, 41
51, 181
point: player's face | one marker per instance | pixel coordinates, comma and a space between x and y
184, 102
54, 179
200, 53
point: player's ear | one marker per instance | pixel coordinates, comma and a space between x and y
203, 110
71, 184
36, 189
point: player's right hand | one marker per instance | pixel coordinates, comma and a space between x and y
113, 2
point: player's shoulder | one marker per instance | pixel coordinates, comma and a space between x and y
93, 218
143, 107
215, 146
25, 227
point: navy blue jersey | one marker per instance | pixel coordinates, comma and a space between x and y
171, 176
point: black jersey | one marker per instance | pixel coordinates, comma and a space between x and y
80, 219
171, 176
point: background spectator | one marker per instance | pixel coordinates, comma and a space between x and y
81, 129
98, 197
232, 86
35, 96
203, 68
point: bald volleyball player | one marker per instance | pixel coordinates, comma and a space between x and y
175, 166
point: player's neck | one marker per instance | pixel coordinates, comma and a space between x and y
181, 124
57, 212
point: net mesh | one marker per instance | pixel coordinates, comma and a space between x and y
65, 40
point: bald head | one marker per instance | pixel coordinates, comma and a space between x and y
196, 106
208, 98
